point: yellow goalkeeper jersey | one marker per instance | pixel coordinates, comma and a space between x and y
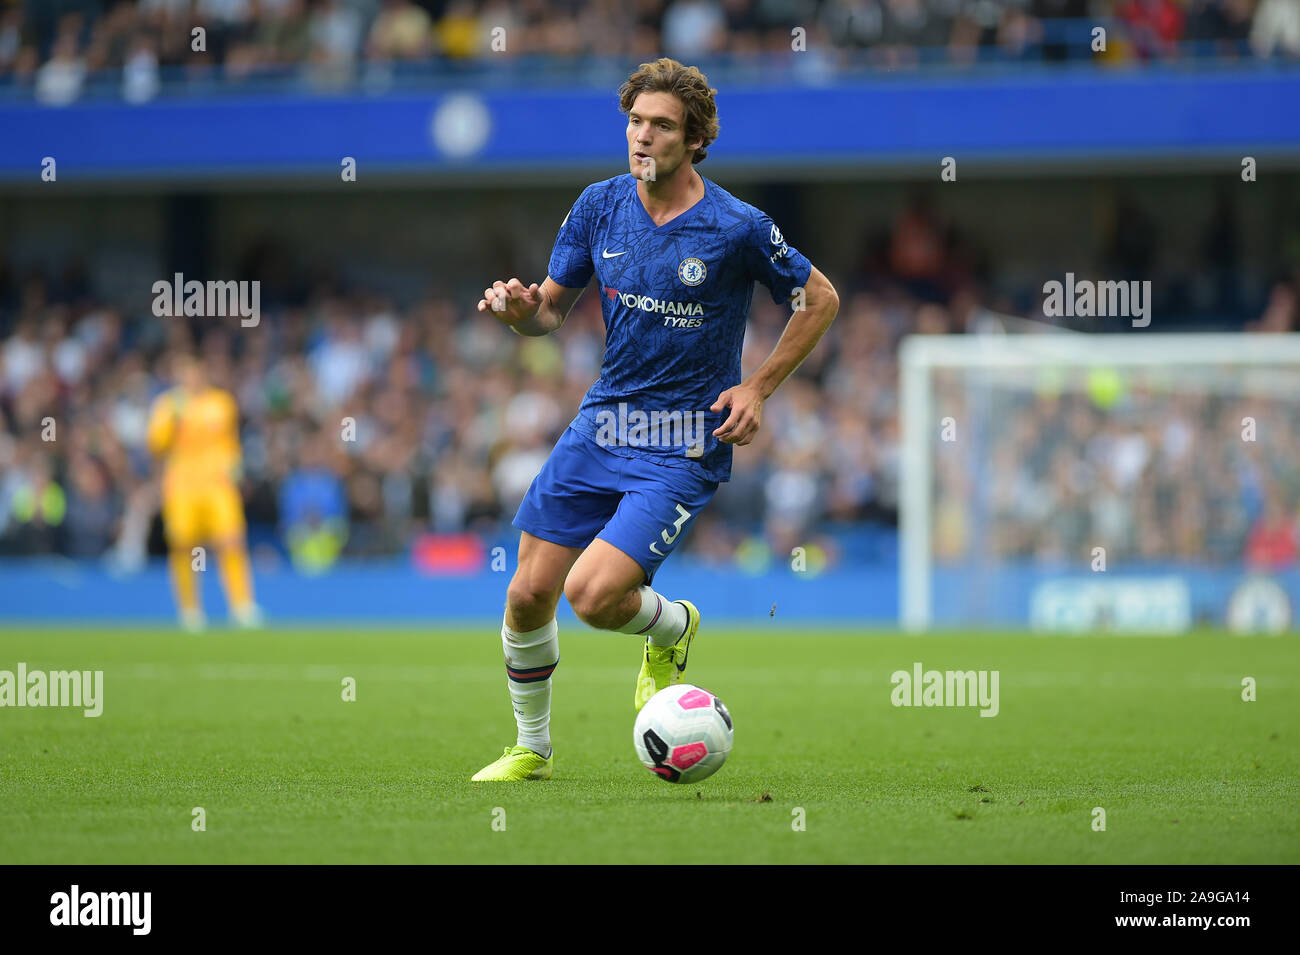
197, 435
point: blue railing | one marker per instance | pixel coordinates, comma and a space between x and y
906, 121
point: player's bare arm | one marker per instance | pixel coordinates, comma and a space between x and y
533, 310
801, 335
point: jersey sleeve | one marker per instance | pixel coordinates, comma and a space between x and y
771, 260
571, 265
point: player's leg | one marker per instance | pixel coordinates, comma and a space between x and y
609, 590
569, 501
230, 532
538, 583
610, 585
181, 524
531, 645
604, 588
530, 636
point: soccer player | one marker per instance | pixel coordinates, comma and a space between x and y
195, 428
676, 257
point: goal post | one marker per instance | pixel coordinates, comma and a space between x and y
1077, 482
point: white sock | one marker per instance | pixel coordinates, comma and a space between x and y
531, 658
662, 621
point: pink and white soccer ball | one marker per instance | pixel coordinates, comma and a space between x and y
683, 734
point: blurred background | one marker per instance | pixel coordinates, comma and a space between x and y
939, 160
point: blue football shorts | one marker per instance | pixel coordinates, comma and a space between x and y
584, 492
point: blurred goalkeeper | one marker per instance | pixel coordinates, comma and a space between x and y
194, 428
676, 257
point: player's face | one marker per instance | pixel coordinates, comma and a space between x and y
656, 131
189, 374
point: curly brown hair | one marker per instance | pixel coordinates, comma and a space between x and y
686, 83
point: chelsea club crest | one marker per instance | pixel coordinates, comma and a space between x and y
692, 271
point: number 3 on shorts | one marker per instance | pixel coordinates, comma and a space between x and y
683, 516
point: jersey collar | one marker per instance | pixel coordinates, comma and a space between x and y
678, 220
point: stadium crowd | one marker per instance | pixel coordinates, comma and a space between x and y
56, 47
1149, 466
366, 424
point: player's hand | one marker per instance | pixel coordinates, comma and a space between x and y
512, 302
746, 414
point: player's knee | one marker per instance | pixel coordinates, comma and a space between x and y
527, 599
590, 601
580, 595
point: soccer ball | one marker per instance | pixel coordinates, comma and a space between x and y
683, 734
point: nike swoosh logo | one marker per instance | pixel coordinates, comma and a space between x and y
606, 254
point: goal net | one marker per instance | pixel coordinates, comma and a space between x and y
1076, 482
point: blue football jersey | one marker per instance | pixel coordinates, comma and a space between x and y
675, 299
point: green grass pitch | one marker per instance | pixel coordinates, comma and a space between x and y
253, 729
